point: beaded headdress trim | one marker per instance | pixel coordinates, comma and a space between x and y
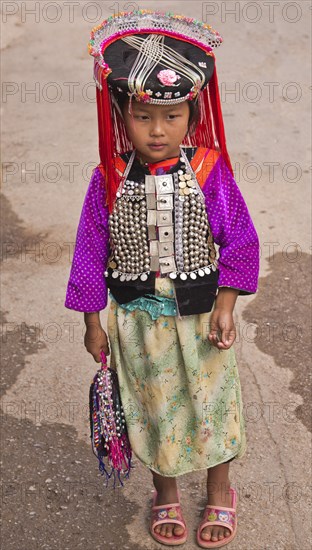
125, 24
148, 21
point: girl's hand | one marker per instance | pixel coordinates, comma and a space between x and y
222, 329
96, 340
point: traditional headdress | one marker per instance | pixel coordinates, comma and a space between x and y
157, 58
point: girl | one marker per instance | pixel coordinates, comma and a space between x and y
161, 199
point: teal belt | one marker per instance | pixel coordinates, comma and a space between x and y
155, 306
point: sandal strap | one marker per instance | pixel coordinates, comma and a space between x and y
167, 513
225, 517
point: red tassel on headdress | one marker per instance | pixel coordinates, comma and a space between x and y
112, 139
218, 118
210, 129
106, 140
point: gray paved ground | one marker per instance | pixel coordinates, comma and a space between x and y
52, 495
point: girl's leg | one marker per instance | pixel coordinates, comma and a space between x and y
167, 492
218, 485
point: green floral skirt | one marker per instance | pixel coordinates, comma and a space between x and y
181, 395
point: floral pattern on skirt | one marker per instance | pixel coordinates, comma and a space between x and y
181, 395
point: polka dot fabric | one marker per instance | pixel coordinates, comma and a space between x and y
233, 230
87, 290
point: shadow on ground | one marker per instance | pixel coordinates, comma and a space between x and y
281, 313
53, 496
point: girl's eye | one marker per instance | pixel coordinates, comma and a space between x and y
172, 117
142, 117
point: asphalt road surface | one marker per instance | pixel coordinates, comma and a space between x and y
53, 497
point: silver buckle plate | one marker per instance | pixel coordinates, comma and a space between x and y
149, 184
151, 217
154, 263
165, 233
164, 202
164, 218
154, 248
151, 201
167, 264
165, 249
164, 184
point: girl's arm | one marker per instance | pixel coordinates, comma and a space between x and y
87, 289
233, 230
222, 332
95, 338
226, 298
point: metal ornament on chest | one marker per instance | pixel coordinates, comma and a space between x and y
160, 224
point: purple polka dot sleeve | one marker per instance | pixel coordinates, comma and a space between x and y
233, 230
86, 289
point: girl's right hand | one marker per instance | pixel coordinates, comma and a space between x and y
96, 340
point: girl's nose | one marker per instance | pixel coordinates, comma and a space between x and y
156, 128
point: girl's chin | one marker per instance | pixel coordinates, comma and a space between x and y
157, 155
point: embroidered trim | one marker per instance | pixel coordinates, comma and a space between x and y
163, 306
178, 213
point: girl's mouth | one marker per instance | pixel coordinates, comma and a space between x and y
156, 146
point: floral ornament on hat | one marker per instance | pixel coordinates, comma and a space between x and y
168, 77
143, 96
194, 91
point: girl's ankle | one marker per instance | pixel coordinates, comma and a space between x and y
214, 487
164, 485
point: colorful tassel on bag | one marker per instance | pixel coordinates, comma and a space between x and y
109, 436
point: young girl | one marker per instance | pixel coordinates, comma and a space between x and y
161, 199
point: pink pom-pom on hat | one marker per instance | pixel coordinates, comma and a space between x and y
168, 77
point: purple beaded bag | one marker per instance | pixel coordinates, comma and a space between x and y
109, 435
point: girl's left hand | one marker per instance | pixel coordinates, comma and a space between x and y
222, 329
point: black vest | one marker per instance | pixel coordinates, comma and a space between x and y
193, 296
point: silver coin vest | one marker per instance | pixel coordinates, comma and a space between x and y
161, 225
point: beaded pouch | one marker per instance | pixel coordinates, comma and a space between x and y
109, 436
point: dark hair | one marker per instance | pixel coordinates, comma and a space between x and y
193, 116
121, 101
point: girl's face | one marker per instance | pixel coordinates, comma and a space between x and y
156, 131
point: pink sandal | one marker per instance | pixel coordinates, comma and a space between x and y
167, 513
219, 515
